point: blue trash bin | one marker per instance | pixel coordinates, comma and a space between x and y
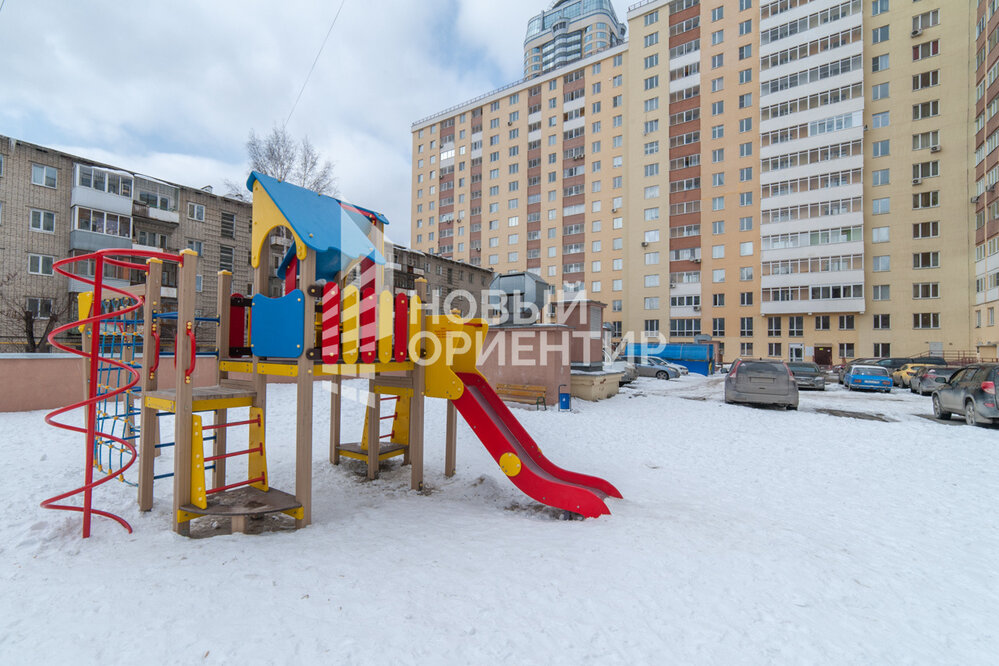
564, 399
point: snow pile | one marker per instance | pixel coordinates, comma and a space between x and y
746, 535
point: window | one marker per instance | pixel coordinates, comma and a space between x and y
881, 177
40, 308
718, 275
926, 320
846, 322
879, 120
881, 263
881, 206
718, 227
43, 220
879, 63
882, 292
926, 230
881, 148
745, 327
925, 50
45, 176
104, 181
745, 224
926, 260
773, 327
745, 348
846, 350
880, 91
926, 110
774, 350
40, 264
926, 80
926, 200
745, 51
651, 327
226, 254
746, 298
882, 322
923, 290
196, 212
880, 34
746, 249
228, 225
822, 323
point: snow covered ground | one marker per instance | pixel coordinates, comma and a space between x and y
746, 535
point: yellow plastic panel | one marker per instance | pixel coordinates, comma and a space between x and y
199, 497
351, 320
267, 216
386, 305
236, 366
257, 461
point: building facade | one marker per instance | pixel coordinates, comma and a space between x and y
567, 31
54, 205
790, 178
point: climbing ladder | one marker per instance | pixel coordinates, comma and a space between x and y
390, 444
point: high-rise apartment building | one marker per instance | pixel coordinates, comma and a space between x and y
569, 30
789, 178
985, 199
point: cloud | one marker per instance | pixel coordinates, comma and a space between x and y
173, 89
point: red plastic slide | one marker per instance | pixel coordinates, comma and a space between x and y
519, 456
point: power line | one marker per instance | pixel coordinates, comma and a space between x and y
2, 3
307, 76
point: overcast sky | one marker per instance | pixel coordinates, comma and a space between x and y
172, 89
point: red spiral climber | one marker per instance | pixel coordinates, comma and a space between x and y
101, 258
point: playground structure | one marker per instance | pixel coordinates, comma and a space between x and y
321, 329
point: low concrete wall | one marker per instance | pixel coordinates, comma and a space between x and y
595, 386
40, 381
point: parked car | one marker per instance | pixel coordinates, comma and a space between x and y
682, 369
970, 391
627, 370
842, 370
650, 366
761, 382
867, 377
928, 379
903, 375
808, 375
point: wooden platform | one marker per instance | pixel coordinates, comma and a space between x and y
246, 501
205, 398
385, 451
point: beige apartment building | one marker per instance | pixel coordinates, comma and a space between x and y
790, 178
55, 205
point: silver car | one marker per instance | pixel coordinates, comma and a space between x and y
761, 382
650, 366
929, 379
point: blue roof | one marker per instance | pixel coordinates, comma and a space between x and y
331, 227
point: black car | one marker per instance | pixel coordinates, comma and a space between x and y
970, 391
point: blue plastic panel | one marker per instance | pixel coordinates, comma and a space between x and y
278, 325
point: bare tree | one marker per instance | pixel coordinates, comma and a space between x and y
21, 323
279, 156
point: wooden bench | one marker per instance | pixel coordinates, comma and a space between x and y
525, 393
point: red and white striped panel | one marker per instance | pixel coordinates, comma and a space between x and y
368, 305
331, 323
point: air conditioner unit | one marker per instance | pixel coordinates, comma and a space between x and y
509, 123
645, 243
672, 285
975, 199
917, 32
613, 210
917, 181
991, 188
697, 308
934, 149
697, 260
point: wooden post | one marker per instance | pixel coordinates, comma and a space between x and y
219, 445
261, 285
374, 430
183, 425
149, 423
416, 405
303, 425
451, 440
335, 397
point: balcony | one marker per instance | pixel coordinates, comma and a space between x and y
90, 241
